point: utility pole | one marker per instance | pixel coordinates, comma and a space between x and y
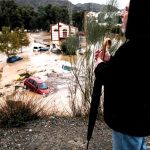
69, 6
85, 27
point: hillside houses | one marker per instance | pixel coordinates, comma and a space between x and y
102, 17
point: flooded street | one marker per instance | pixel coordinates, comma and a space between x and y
32, 61
48, 67
10, 71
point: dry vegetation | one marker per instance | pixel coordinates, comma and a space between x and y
18, 108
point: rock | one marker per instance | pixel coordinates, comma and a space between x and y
19, 145
77, 142
52, 117
30, 130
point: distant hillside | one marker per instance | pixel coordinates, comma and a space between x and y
36, 3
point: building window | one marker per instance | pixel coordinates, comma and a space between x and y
64, 33
55, 30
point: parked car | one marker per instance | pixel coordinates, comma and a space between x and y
55, 49
36, 49
44, 49
67, 67
14, 58
35, 84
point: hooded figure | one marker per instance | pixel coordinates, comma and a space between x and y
126, 81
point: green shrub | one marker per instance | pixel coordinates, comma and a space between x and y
70, 46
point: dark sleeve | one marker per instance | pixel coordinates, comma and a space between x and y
101, 69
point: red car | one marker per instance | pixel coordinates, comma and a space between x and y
35, 84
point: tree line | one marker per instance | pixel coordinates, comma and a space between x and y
13, 15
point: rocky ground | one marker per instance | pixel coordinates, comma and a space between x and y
55, 134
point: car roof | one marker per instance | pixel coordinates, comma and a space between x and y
37, 79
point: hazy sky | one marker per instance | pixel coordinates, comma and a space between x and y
121, 3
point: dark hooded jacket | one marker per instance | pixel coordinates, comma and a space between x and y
126, 78
126, 81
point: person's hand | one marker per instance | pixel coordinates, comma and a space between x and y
104, 57
100, 58
107, 56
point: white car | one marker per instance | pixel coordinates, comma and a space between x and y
36, 49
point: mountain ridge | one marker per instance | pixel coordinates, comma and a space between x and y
78, 7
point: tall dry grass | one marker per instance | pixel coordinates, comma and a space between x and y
19, 108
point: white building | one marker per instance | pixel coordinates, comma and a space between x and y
61, 31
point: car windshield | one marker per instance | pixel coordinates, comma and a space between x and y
16, 57
13, 56
68, 68
43, 86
